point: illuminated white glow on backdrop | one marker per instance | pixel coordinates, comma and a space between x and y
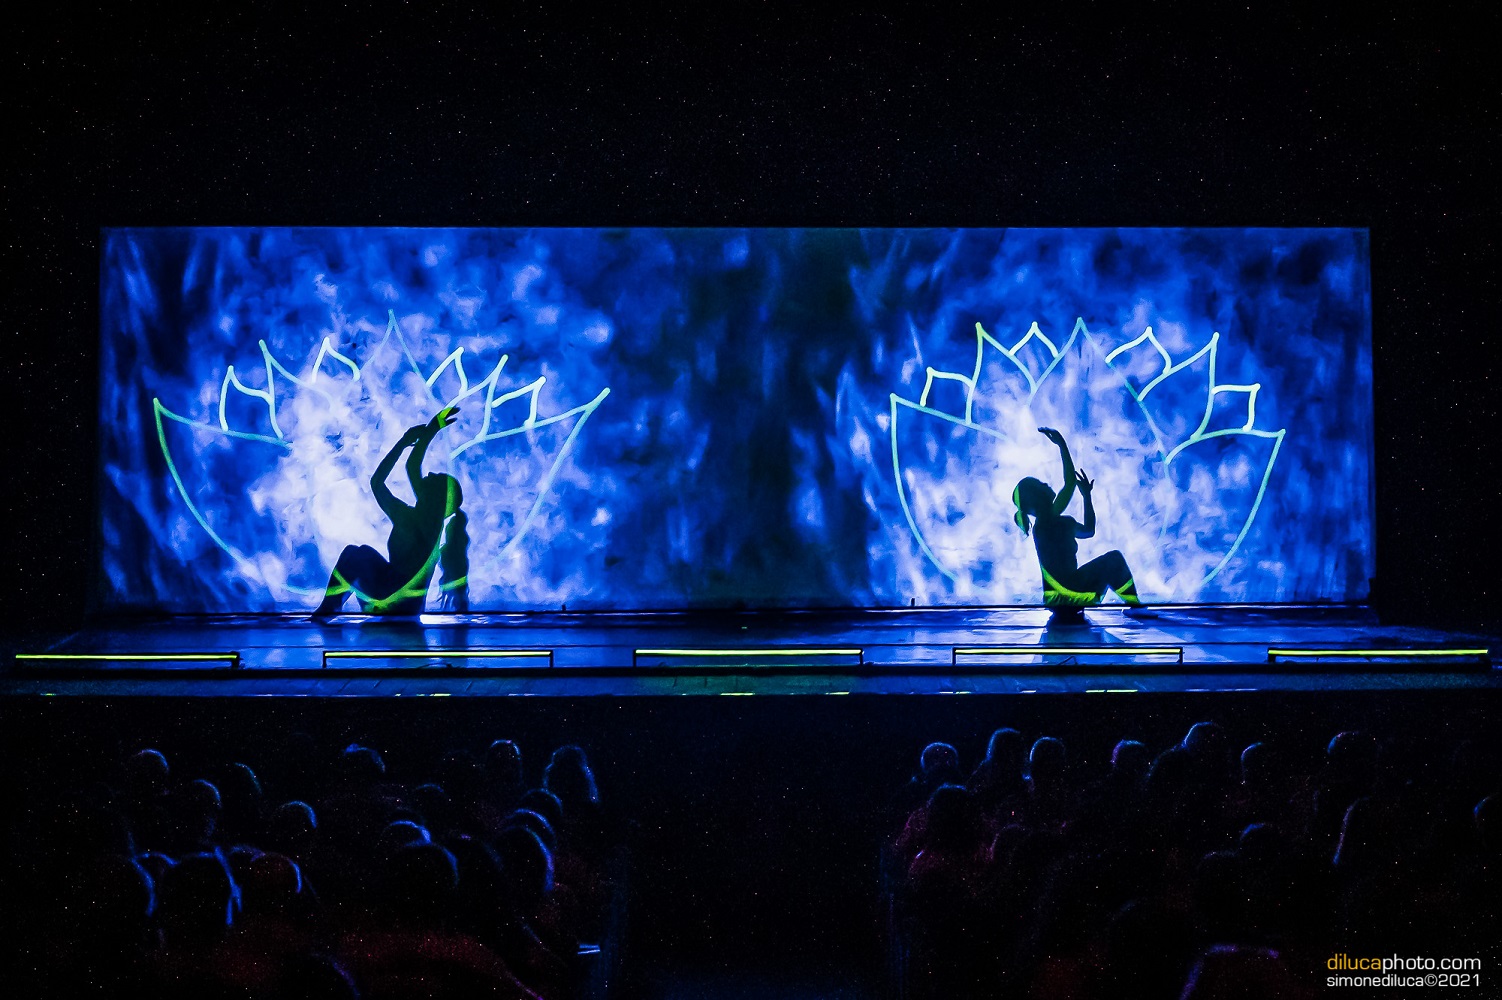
668, 418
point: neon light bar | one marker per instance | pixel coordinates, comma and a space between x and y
772, 652
428, 654
231, 658
1110, 650
782, 651
1273, 654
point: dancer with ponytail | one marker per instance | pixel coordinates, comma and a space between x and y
424, 537
1068, 586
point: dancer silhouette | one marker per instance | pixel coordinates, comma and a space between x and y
423, 537
1066, 584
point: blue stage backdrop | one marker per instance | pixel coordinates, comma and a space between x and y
669, 418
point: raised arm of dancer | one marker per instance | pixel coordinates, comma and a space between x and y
1086, 485
425, 435
1061, 502
384, 498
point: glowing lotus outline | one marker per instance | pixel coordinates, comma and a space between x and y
231, 382
1170, 368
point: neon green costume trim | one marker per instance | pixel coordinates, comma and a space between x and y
1056, 595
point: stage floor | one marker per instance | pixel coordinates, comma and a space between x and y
927, 651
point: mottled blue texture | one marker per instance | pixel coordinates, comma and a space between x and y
744, 452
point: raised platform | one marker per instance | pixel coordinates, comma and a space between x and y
918, 651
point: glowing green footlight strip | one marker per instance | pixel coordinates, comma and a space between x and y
426, 654
233, 659
1121, 649
1275, 653
775, 651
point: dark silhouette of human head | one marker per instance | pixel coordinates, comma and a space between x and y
1170, 775
1046, 764
1220, 895
1033, 498
147, 774
545, 804
1260, 844
503, 767
1206, 743
293, 827
569, 777
399, 834
1004, 751
434, 806
199, 901
1365, 836
271, 885
420, 882
546, 832
954, 822
359, 767
939, 763
527, 866
1352, 757
243, 801
197, 808
439, 490
480, 901
1240, 972
1258, 766
1130, 760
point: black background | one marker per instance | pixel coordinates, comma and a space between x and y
716, 114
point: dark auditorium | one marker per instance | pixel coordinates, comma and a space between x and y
751, 502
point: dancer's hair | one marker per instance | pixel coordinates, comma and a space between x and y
1030, 497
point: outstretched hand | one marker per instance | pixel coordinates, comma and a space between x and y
442, 419
1052, 435
1085, 484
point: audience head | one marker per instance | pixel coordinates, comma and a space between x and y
527, 866
545, 804
1130, 760
1046, 761
1352, 756
1257, 767
1170, 774
1364, 837
399, 834
1260, 844
538, 824
243, 799
503, 764
954, 822
568, 776
1004, 748
360, 767
1238, 972
435, 806
939, 762
198, 807
271, 884
420, 882
293, 826
147, 774
199, 900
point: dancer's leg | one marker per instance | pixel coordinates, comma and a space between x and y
1110, 572
359, 567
